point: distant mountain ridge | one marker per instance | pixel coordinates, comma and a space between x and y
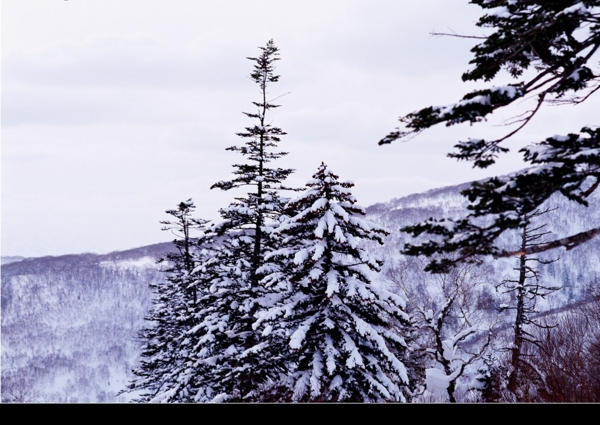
11, 259
155, 250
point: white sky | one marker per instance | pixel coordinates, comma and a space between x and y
115, 110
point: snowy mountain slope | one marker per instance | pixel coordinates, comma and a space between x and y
577, 270
69, 323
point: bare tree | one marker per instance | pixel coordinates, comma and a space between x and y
17, 390
567, 358
447, 308
527, 289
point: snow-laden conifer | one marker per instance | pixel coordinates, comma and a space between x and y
167, 351
341, 336
228, 345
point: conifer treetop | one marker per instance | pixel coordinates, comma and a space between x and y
182, 228
262, 137
339, 224
264, 68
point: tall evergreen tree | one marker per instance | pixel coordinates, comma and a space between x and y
341, 337
229, 345
256, 213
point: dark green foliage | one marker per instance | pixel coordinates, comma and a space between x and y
559, 41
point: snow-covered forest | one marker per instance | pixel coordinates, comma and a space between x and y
70, 324
487, 291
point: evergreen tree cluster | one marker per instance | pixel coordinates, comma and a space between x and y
275, 302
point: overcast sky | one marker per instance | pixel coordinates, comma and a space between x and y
115, 110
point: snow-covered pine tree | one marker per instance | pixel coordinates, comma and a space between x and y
229, 344
341, 337
165, 355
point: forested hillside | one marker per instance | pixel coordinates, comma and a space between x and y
69, 324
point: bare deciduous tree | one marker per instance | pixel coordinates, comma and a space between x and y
17, 390
527, 289
455, 328
567, 358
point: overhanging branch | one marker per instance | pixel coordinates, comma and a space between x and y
568, 242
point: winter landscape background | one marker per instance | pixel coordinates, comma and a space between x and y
70, 323
114, 111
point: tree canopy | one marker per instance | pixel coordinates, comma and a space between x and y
549, 47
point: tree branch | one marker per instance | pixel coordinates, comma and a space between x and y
568, 242
445, 34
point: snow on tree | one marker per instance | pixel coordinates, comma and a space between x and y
341, 337
547, 47
454, 331
228, 345
176, 300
